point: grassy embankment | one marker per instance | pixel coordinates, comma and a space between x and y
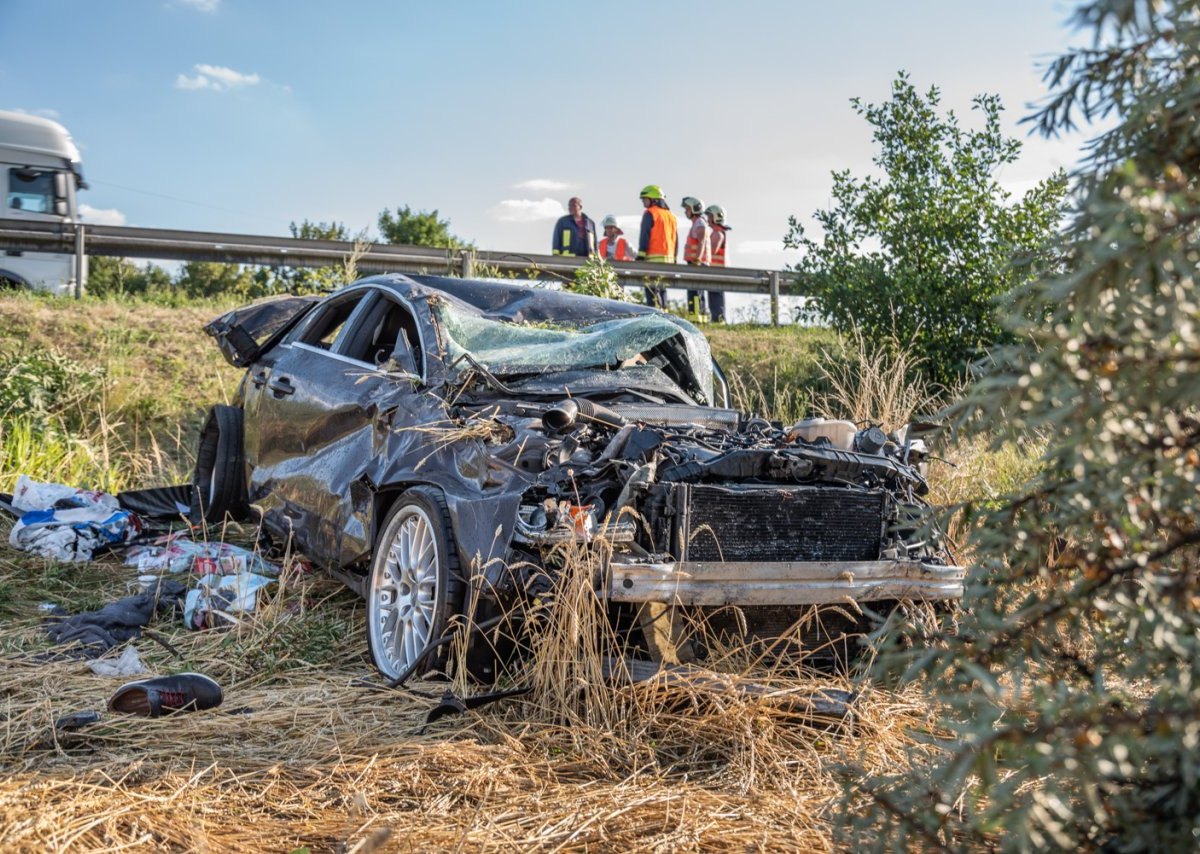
302, 756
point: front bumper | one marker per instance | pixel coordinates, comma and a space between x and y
713, 583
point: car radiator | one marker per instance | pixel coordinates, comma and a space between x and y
800, 523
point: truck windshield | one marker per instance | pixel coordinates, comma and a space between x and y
32, 191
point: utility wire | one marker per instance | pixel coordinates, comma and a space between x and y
184, 201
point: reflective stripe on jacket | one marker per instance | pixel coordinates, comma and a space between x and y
718, 245
660, 238
571, 239
621, 250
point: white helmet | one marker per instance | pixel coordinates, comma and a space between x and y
692, 205
716, 214
609, 220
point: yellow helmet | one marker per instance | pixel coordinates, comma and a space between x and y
651, 191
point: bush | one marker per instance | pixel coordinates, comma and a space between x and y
1071, 691
925, 252
41, 383
597, 278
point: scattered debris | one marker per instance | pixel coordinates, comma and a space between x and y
176, 552
76, 720
222, 594
128, 663
68, 524
96, 632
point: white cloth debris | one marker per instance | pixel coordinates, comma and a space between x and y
68, 524
231, 594
128, 663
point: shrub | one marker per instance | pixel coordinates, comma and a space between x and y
1071, 692
926, 251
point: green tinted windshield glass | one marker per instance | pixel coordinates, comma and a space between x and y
512, 348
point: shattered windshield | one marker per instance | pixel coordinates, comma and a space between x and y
507, 348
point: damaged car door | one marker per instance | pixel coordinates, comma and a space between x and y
322, 406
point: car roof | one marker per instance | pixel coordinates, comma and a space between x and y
514, 301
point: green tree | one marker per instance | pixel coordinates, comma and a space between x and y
1072, 687
319, 230
309, 280
924, 251
203, 279
413, 228
109, 276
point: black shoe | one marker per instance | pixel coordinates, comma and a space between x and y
165, 695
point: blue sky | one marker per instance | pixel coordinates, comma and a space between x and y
243, 115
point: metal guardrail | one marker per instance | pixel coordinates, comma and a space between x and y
18, 235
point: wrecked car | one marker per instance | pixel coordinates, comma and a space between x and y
431, 441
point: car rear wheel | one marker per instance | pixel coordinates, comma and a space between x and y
415, 587
219, 481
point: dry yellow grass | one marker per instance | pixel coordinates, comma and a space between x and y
300, 755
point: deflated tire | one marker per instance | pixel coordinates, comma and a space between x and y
220, 476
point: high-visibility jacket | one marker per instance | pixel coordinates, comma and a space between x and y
659, 239
698, 248
621, 250
718, 245
573, 238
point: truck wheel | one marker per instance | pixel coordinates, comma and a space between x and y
415, 587
219, 482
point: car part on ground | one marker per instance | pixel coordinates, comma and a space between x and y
508, 423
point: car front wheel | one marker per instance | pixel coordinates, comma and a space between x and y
415, 588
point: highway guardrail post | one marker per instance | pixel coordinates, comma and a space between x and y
774, 277
80, 261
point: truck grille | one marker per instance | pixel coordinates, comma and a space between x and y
778, 524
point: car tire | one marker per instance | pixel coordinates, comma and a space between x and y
219, 481
415, 587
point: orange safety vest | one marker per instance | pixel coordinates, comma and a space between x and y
718, 245
621, 253
692, 250
663, 236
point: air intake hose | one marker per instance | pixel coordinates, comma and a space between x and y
563, 416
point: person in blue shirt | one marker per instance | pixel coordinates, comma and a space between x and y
575, 233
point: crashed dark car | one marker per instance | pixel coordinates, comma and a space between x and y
431, 441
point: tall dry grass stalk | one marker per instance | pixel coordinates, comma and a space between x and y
876, 382
780, 402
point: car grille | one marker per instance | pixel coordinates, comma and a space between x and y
807, 523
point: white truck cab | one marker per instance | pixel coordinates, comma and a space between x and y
40, 174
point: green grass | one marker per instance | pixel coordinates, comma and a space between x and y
774, 371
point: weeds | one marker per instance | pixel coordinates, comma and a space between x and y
876, 382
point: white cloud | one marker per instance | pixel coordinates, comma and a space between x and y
630, 222
759, 247
544, 185
217, 78
101, 216
528, 210
208, 6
